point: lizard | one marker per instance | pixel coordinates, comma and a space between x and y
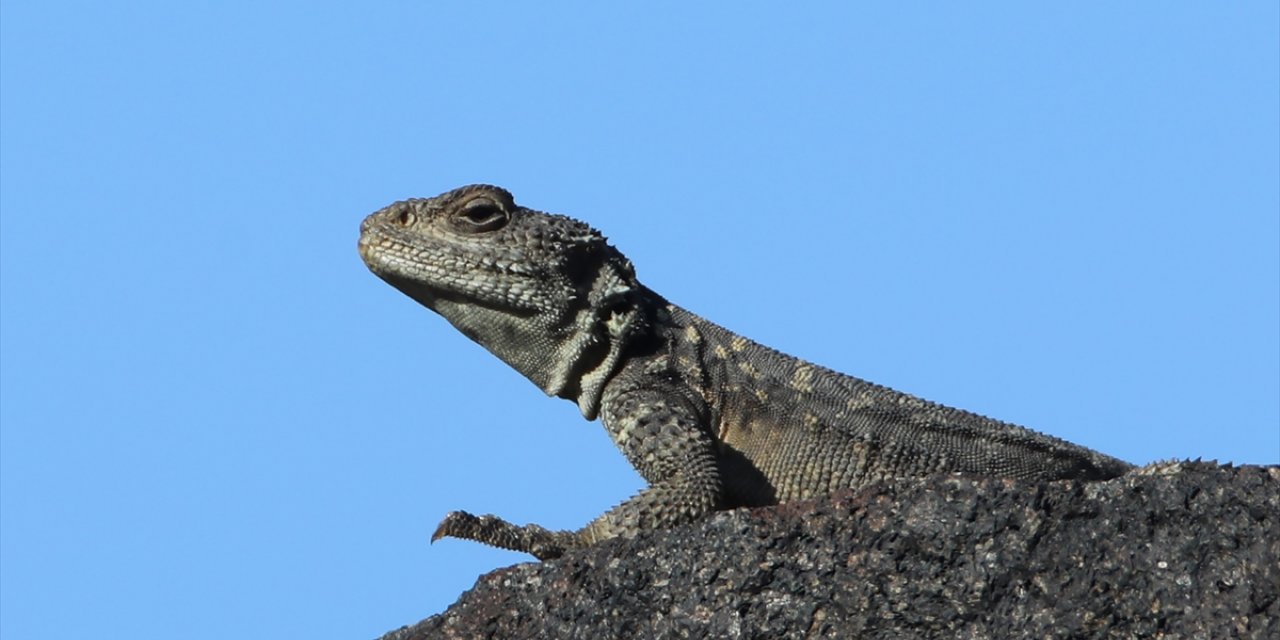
711, 420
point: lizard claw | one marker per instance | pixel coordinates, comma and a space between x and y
457, 524
496, 532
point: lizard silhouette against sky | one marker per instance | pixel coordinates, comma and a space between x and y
710, 419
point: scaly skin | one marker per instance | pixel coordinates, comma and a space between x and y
710, 419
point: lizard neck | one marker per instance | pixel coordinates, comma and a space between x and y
616, 312
570, 349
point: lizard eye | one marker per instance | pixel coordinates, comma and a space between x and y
405, 218
481, 214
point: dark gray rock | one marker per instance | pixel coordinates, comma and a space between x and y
1179, 550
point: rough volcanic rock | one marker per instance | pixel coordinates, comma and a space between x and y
1179, 550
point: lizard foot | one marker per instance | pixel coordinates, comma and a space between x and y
494, 531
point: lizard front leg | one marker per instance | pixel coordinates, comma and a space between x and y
662, 437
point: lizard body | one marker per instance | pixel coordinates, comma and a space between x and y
710, 419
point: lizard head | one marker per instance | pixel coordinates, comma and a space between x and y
476, 245
546, 293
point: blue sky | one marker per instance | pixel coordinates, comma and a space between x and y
216, 423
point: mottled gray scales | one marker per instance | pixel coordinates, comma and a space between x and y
710, 419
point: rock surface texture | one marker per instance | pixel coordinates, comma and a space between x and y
1176, 550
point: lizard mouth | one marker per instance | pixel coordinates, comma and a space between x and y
496, 282
366, 253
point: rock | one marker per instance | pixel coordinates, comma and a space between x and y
1177, 550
